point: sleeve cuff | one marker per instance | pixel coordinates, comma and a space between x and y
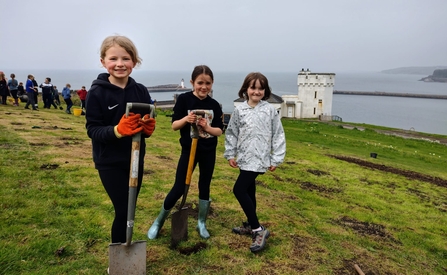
117, 134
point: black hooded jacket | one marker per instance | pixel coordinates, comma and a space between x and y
105, 105
187, 102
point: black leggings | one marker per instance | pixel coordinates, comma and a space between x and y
206, 161
245, 192
116, 184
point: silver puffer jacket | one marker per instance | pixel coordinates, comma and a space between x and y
255, 137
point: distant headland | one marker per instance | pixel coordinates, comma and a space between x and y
414, 70
439, 75
435, 73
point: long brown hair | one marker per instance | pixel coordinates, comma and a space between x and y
250, 79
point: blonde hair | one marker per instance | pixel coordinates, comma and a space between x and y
123, 42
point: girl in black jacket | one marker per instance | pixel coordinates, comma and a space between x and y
210, 128
109, 128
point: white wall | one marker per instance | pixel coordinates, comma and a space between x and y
291, 107
315, 91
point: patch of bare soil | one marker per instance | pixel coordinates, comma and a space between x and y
310, 186
318, 172
365, 228
261, 183
320, 188
192, 250
406, 173
363, 262
49, 166
164, 157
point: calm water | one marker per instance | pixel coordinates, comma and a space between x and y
422, 115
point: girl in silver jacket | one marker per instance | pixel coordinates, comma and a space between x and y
254, 143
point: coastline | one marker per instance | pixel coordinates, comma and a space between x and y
390, 94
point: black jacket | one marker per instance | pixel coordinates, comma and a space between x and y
3, 88
187, 102
105, 105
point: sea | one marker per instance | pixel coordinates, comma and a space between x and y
414, 114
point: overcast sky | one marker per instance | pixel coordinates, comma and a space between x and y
227, 35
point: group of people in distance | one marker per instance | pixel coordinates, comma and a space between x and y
10, 87
254, 139
29, 93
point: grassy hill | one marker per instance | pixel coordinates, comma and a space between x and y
329, 207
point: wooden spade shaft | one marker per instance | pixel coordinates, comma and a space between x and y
192, 155
130, 257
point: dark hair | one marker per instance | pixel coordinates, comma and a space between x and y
201, 69
250, 79
49, 79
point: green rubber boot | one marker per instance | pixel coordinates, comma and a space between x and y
152, 233
204, 206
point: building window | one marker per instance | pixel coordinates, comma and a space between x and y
320, 101
315, 110
315, 94
307, 77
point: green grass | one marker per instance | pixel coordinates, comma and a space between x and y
325, 214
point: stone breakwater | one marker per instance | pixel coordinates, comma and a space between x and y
336, 92
165, 104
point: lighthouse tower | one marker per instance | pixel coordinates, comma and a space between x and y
314, 96
315, 91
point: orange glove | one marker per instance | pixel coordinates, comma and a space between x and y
128, 126
148, 124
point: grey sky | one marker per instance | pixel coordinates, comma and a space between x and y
227, 35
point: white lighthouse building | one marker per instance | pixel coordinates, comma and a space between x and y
314, 96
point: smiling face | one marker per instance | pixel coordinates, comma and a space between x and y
119, 64
202, 85
255, 93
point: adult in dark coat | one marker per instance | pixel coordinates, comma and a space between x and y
36, 93
4, 91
